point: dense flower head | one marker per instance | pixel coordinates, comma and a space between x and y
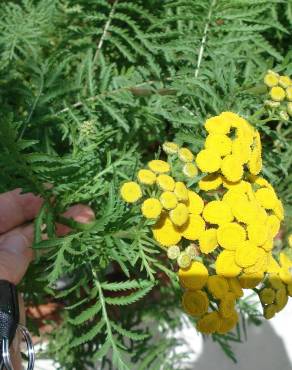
217, 217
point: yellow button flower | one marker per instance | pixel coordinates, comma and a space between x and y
208, 160
285, 81
173, 252
165, 182
275, 281
246, 254
271, 79
146, 177
210, 182
179, 215
244, 211
233, 196
168, 200
208, 241
181, 191
235, 287
250, 281
195, 277
241, 149
195, 303
190, 170
289, 290
195, 203
209, 323
257, 233
221, 143
151, 208
273, 224
281, 299
266, 197
267, 296
277, 93
270, 311
227, 305
232, 168
170, 148
273, 266
261, 263
217, 212
194, 227
185, 155
228, 323
131, 192
279, 210
158, 166
225, 264
289, 93
217, 125
165, 232
217, 286
231, 235
184, 260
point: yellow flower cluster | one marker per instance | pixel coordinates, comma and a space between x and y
222, 243
280, 92
231, 144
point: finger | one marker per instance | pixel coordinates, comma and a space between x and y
79, 213
17, 208
15, 246
16, 253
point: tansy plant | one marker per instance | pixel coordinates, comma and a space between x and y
218, 226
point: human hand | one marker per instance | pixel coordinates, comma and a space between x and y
16, 234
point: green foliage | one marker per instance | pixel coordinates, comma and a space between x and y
88, 92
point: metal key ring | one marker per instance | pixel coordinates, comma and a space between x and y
30, 350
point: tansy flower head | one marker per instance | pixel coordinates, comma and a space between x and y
285, 81
209, 323
195, 277
195, 303
208, 241
185, 155
184, 260
217, 212
227, 305
231, 235
165, 182
269, 311
289, 93
146, 177
173, 252
193, 228
208, 160
225, 264
190, 170
165, 232
181, 191
179, 215
210, 182
266, 197
219, 142
246, 254
158, 166
232, 168
217, 286
131, 192
170, 148
168, 200
271, 79
267, 296
151, 208
228, 323
218, 125
277, 93
195, 203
